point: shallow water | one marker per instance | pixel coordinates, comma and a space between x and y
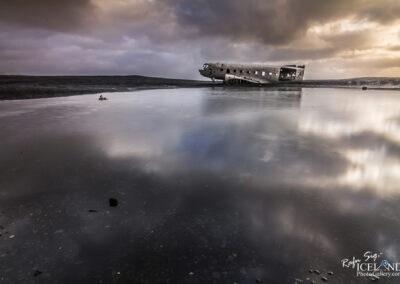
214, 186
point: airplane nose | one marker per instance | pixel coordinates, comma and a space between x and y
205, 72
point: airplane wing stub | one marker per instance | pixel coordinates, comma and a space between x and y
230, 77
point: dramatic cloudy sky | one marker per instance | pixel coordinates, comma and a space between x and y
172, 38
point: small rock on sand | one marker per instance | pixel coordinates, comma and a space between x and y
113, 202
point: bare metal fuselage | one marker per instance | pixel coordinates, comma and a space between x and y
252, 73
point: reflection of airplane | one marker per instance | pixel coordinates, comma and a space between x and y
252, 73
239, 100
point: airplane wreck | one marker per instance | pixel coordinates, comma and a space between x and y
252, 73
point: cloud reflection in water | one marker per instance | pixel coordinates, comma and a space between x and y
231, 184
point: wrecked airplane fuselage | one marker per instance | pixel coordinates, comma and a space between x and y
252, 73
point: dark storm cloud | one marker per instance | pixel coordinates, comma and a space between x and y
300, 54
336, 45
63, 15
275, 22
146, 37
380, 11
271, 22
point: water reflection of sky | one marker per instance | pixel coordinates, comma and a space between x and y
230, 184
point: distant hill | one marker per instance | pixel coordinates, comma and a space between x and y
362, 81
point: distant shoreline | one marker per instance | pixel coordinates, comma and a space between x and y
15, 87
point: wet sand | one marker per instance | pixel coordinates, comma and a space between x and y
213, 185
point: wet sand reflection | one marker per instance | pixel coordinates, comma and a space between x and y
214, 185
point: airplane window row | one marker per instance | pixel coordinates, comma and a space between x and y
256, 72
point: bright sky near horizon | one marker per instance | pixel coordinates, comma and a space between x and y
173, 38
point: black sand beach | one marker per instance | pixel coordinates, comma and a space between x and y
199, 185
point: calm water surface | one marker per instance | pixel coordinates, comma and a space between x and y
214, 186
